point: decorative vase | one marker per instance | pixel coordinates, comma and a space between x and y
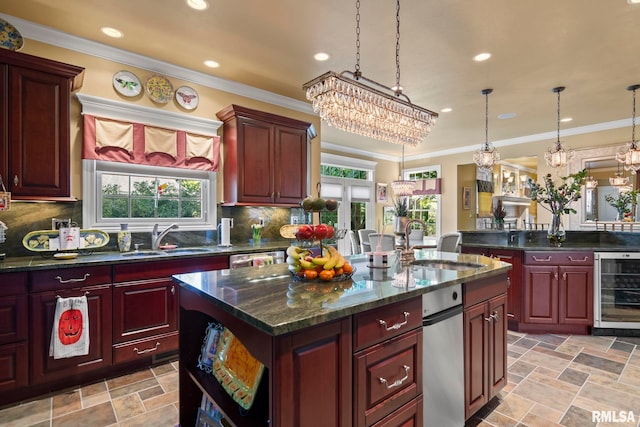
556, 234
399, 227
124, 238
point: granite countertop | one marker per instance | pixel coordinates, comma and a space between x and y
46, 260
596, 241
270, 300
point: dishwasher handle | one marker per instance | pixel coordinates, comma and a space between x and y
442, 315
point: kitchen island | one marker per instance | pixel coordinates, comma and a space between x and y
326, 354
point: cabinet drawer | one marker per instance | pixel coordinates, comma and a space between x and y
14, 318
67, 278
13, 366
13, 284
410, 415
558, 258
387, 376
167, 268
147, 347
480, 290
386, 322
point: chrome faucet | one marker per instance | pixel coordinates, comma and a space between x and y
407, 256
157, 237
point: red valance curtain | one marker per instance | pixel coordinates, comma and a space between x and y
125, 142
425, 187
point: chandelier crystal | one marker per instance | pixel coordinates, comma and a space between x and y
487, 155
629, 155
403, 187
590, 183
557, 156
355, 104
618, 180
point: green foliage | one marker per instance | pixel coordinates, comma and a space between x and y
556, 199
400, 206
623, 202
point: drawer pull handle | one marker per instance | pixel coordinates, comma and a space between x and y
489, 319
398, 382
495, 316
148, 350
395, 326
173, 290
535, 258
511, 315
61, 280
585, 259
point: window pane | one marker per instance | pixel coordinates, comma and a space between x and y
113, 207
142, 208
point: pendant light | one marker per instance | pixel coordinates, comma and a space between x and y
618, 180
403, 187
557, 156
590, 182
353, 103
487, 155
629, 155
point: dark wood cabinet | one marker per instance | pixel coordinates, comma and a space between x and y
14, 322
514, 292
35, 112
558, 291
485, 341
265, 157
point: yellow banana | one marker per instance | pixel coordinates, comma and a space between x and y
296, 252
333, 260
307, 265
340, 262
322, 260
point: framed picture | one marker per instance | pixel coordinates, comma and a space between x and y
388, 215
209, 346
466, 198
381, 192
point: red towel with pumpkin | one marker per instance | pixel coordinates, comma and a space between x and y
70, 334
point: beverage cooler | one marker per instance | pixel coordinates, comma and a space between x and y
617, 290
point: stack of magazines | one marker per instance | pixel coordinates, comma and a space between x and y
209, 415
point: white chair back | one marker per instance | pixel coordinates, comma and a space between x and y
387, 242
449, 243
353, 240
363, 236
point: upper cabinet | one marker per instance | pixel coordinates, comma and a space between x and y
35, 117
266, 158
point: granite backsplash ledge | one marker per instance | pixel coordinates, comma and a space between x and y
24, 217
538, 239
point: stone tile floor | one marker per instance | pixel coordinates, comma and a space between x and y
554, 380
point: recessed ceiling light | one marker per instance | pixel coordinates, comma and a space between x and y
198, 4
111, 32
505, 116
446, 110
321, 56
566, 119
211, 63
482, 57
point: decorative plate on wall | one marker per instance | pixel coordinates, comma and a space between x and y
159, 89
187, 97
127, 84
10, 38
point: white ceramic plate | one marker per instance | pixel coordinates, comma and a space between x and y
159, 89
187, 97
126, 83
65, 255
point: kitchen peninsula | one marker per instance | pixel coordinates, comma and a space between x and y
349, 356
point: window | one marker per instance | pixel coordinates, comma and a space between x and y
144, 195
426, 207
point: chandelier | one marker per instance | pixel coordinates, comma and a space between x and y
618, 180
629, 155
557, 155
403, 187
353, 103
487, 155
590, 182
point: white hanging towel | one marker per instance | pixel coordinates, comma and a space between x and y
70, 333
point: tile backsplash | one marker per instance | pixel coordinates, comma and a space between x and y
24, 217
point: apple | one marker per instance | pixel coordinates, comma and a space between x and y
330, 231
304, 232
318, 204
321, 231
307, 204
331, 205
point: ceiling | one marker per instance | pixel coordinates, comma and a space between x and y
589, 46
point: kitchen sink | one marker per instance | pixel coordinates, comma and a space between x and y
185, 251
446, 265
143, 253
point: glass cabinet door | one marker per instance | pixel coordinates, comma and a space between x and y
620, 290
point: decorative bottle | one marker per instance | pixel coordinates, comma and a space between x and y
124, 238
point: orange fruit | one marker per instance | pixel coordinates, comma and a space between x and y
326, 275
339, 271
347, 268
310, 274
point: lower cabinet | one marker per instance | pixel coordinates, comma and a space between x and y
558, 291
485, 341
14, 321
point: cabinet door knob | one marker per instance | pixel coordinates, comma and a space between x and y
555, 275
16, 181
173, 290
564, 276
495, 316
397, 382
395, 326
489, 319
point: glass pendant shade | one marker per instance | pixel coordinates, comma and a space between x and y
487, 155
355, 104
591, 183
618, 180
403, 187
629, 155
558, 156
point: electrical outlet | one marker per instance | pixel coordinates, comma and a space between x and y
57, 224
261, 221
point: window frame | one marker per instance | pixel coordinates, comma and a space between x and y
438, 170
92, 193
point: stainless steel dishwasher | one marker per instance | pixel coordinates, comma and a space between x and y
443, 358
256, 259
